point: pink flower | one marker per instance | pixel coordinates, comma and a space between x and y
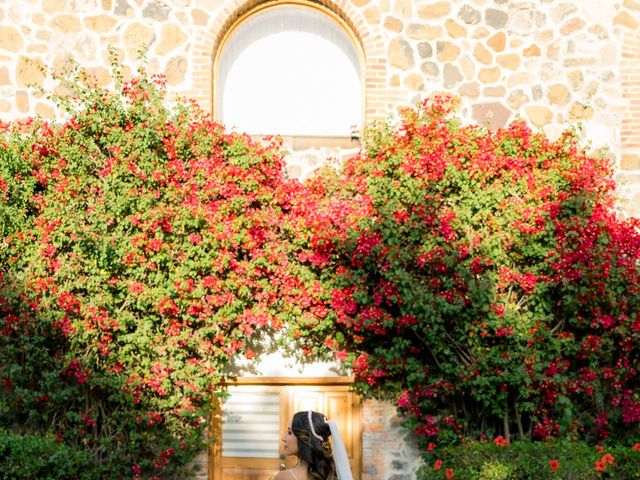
155, 244
136, 288
341, 355
403, 399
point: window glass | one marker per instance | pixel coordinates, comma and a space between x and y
250, 424
290, 70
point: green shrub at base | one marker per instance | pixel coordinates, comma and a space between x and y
35, 457
525, 460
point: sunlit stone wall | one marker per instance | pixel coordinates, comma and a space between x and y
555, 63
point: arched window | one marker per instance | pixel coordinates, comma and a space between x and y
290, 70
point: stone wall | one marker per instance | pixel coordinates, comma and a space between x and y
552, 62
389, 451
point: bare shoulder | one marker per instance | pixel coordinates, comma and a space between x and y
285, 475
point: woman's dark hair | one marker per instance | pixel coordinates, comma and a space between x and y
315, 452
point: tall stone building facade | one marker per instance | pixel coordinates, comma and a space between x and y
555, 63
552, 62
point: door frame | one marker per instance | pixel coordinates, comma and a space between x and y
215, 451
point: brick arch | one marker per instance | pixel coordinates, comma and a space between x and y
630, 73
628, 178
371, 44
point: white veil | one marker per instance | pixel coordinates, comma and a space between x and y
340, 457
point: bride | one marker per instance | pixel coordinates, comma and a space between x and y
307, 437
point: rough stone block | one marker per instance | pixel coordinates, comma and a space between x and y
44, 111
137, 36
176, 69
430, 69
400, 53
100, 23
30, 71
199, 17
630, 161
393, 24
171, 38
498, 42
469, 15
510, 61
532, 51
10, 39
493, 115
470, 90
435, 10
517, 99
414, 82
625, 19
558, 94
454, 29
539, 115
66, 23
562, 11
447, 51
4, 76
522, 78
496, 18
372, 14
498, 91
483, 55
452, 75
572, 26
22, 101
157, 11
425, 50
53, 6
489, 75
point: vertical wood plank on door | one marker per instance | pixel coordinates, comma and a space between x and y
338, 403
338, 409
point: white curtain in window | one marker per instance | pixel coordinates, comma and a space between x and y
290, 70
251, 424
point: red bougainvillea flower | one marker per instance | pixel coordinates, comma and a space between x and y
500, 441
554, 464
449, 473
607, 459
437, 465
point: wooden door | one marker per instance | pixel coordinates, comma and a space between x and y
337, 403
249, 426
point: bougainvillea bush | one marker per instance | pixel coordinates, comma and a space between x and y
556, 459
480, 279
140, 252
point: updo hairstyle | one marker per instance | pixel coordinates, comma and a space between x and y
315, 452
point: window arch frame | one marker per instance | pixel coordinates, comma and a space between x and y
331, 15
